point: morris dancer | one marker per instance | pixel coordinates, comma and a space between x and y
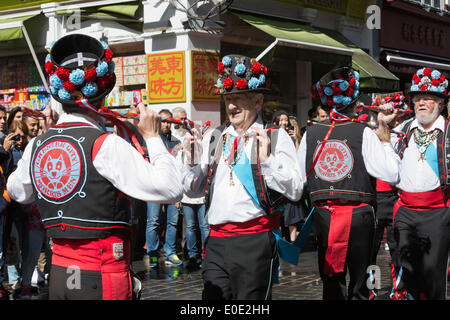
78, 175
340, 160
246, 173
421, 215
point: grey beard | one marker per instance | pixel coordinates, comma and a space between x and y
425, 120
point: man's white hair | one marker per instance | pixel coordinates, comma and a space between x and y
178, 110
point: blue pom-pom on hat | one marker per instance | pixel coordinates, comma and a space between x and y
104, 44
262, 79
55, 81
102, 68
338, 99
239, 69
356, 75
346, 101
226, 61
90, 89
253, 83
64, 94
435, 74
111, 67
77, 77
328, 91
344, 85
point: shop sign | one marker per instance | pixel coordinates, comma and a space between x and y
204, 75
166, 77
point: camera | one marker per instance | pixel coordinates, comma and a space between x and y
290, 128
16, 137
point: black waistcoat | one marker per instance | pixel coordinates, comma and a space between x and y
74, 200
340, 172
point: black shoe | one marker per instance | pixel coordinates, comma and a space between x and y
192, 264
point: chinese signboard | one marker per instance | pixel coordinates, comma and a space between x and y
166, 77
204, 75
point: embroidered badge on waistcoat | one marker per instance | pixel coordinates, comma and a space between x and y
335, 162
57, 169
118, 250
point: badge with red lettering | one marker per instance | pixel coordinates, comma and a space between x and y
118, 250
335, 161
56, 168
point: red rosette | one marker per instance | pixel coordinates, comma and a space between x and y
241, 84
217, 90
62, 73
423, 88
337, 91
69, 86
415, 76
330, 102
49, 67
256, 68
220, 67
417, 80
349, 92
352, 82
108, 55
228, 83
435, 82
103, 82
427, 72
90, 75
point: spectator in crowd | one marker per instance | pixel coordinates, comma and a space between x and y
16, 113
322, 115
3, 123
193, 209
155, 214
33, 126
293, 213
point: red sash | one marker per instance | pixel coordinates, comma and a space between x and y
384, 186
260, 224
421, 201
338, 235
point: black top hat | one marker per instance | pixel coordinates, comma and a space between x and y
429, 81
80, 67
338, 89
238, 74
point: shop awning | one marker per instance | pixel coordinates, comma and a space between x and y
374, 77
129, 15
419, 63
11, 29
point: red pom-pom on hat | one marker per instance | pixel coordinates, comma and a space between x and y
417, 80
264, 70
220, 67
90, 75
69, 86
104, 82
442, 79
337, 91
330, 102
49, 67
108, 55
423, 88
427, 72
435, 82
256, 68
352, 82
62, 73
241, 84
350, 92
228, 83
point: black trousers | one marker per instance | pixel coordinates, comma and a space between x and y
423, 239
358, 257
239, 267
385, 208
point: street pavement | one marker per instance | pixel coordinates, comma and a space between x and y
301, 282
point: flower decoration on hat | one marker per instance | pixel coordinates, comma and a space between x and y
71, 79
238, 73
338, 88
426, 80
397, 100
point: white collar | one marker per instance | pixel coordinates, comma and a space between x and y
257, 124
78, 117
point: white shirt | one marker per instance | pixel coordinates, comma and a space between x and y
380, 159
232, 203
415, 175
181, 160
158, 181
